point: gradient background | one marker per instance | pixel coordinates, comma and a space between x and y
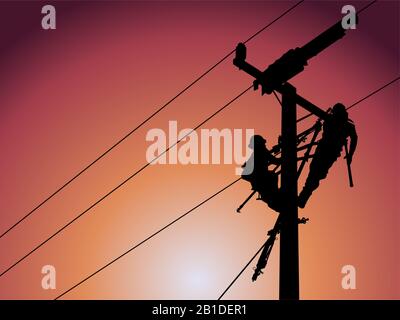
69, 94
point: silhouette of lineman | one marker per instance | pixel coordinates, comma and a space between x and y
255, 171
336, 129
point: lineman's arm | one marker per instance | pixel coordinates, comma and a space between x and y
274, 160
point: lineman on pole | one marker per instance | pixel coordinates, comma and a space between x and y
336, 129
255, 171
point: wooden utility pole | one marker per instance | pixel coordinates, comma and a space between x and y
289, 238
275, 78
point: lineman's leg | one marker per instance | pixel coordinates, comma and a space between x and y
270, 192
318, 170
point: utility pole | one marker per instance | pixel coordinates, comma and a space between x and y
289, 242
275, 78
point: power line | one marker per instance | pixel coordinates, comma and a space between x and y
367, 6
141, 169
277, 98
145, 121
372, 93
240, 273
148, 238
271, 23
360, 100
126, 180
219, 110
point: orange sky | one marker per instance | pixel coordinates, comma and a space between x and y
69, 94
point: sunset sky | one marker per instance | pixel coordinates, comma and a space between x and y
68, 94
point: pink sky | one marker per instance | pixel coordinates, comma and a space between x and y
69, 94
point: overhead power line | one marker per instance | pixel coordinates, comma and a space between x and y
148, 238
360, 100
145, 166
125, 181
251, 260
372, 93
241, 271
145, 121
141, 169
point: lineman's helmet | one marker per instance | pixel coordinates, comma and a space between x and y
257, 141
339, 111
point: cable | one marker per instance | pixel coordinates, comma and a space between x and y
240, 273
126, 180
372, 93
109, 193
145, 121
147, 239
154, 234
272, 22
367, 6
359, 101
121, 184
277, 98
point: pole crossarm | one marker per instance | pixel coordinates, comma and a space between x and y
301, 101
291, 63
